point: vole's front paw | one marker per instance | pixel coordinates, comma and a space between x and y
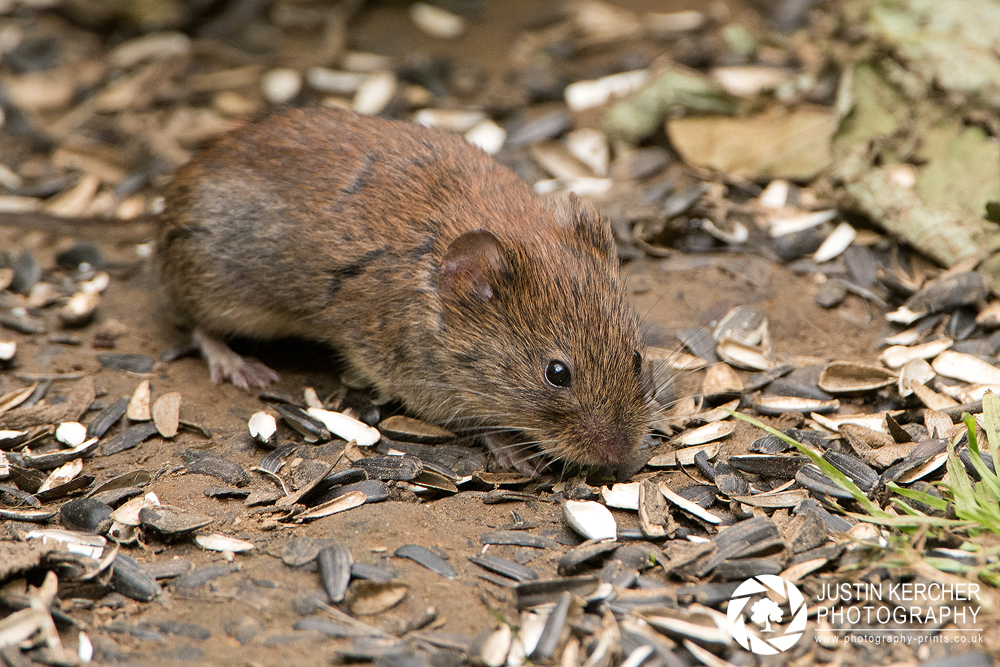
514, 455
225, 365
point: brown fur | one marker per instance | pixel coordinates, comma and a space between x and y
333, 227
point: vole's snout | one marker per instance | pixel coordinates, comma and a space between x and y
609, 443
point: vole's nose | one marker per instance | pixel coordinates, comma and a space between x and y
610, 443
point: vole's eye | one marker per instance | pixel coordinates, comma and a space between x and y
557, 374
637, 362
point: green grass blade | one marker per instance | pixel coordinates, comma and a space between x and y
920, 496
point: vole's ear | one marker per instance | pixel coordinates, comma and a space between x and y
473, 264
590, 227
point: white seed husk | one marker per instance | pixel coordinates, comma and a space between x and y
437, 22
374, 95
347, 427
965, 367
586, 94
8, 348
707, 433
280, 85
497, 646
71, 433
222, 543
898, 355
262, 426
138, 406
487, 135
837, 242
622, 496
592, 520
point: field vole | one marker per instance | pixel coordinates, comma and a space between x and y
434, 271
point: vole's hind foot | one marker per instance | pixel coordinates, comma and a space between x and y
225, 365
512, 455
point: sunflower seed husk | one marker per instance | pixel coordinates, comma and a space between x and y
138, 406
814, 479
495, 648
898, 355
741, 355
27, 515
946, 293
128, 514
167, 413
216, 542
311, 429
107, 418
275, 460
745, 324
390, 468
744, 568
730, 481
375, 490
746, 538
129, 438
622, 496
91, 546
582, 554
720, 380
372, 572
837, 242
683, 457
924, 469
487, 135
545, 591
169, 520
64, 489
590, 519
848, 377
931, 398
692, 508
79, 309
653, 517
507, 568
206, 463
701, 632
854, 469
71, 433
779, 405
131, 581
783, 467
27, 480
432, 479
262, 427
437, 22
335, 563
965, 367
428, 559
367, 598
518, 538
307, 490
85, 515
61, 475
773, 499
914, 371
51, 460
707, 433
407, 429
585, 94
346, 427
552, 632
